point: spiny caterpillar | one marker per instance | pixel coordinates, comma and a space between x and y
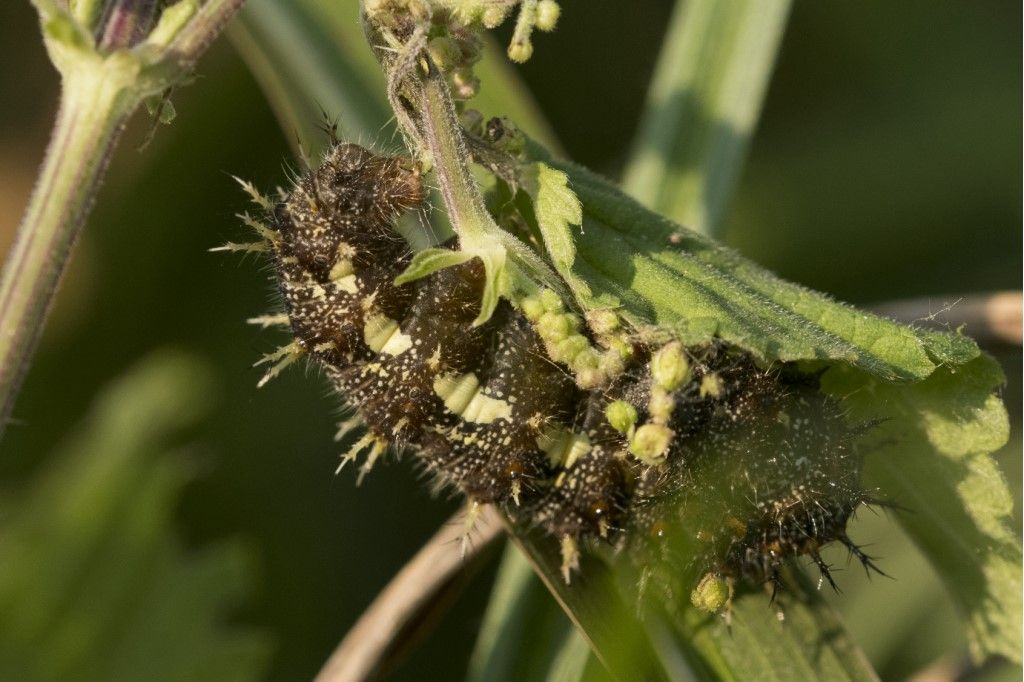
696, 460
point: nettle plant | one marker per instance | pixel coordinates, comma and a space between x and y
668, 431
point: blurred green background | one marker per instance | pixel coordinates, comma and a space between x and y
887, 165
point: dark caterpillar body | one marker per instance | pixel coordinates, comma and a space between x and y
745, 467
773, 476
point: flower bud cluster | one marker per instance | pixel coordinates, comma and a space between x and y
670, 371
455, 49
542, 15
564, 341
539, 14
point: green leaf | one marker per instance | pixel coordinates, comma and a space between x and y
573, 660
172, 19
429, 261
94, 583
523, 629
810, 644
85, 11
930, 456
557, 209
496, 281
62, 32
934, 390
659, 273
702, 107
596, 605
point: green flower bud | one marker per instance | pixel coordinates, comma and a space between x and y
555, 326
712, 593
551, 301
445, 52
669, 367
532, 307
548, 12
587, 359
375, 7
419, 9
661, 405
611, 363
467, 14
520, 51
621, 415
650, 443
602, 321
572, 346
471, 47
589, 378
494, 16
620, 347
712, 385
465, 85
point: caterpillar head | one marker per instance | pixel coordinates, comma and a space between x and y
343, 208
362, 183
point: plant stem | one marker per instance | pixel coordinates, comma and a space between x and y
438, 124
412, 592
423, 106
101, 87
91, 115
439, 132
125, 23
201, 30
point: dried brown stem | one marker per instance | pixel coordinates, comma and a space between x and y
410, 593
991, 319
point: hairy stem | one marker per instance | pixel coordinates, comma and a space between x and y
88, 123
422, 101
438, 124
201, 31
102, 85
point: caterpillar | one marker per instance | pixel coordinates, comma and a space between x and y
698, 460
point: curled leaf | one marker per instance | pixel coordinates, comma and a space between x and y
429, 261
